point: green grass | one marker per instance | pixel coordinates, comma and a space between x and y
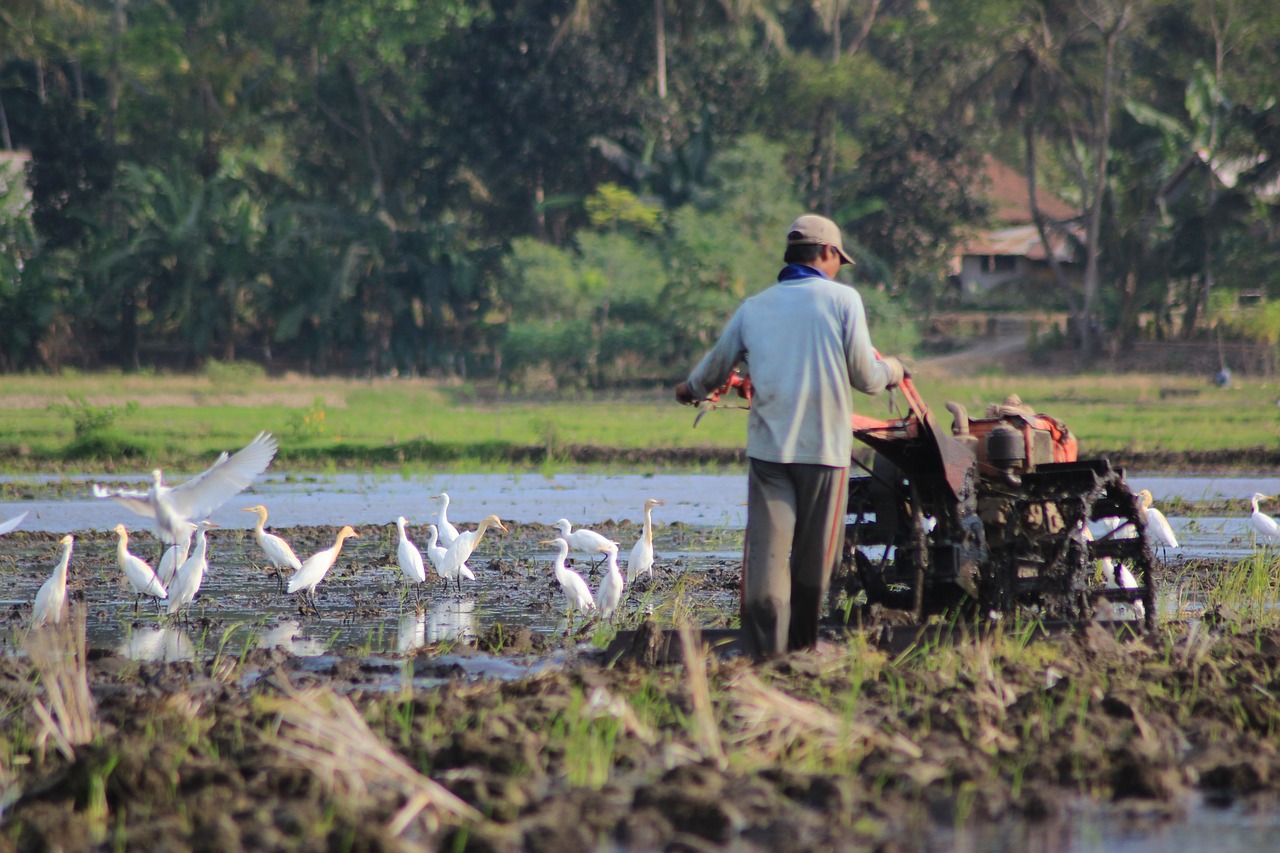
388, 423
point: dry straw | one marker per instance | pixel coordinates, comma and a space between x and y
706, 730
326, 734
58, 654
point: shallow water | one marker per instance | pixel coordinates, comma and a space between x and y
364, 603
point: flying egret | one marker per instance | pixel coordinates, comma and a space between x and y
642, 553
317, 566
202, 494
583, 540
186, 583
612, 584
141, 577
176, 554
410, 558
448, 532
277, 550
576, 591
1158, 530
51, 600
6, 526
455, 559
1265, 525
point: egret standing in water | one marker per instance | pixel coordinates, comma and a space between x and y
186, 583
317, 566
1264, 525
454, 564
642, 553
277, 550
576, 591
51, 600
142, 578
1158, 530
612, 584
410, 559
582, 540
201, 495
447, 531
176, 554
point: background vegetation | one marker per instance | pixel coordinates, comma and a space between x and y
102, 421
577, 192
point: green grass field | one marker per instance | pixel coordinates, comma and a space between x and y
169, 419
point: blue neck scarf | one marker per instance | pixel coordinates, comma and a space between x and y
794, 271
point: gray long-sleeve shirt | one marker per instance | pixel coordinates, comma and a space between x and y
807, 346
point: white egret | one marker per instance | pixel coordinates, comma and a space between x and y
576, 591
51, 600
278, 551
317, 566
454, 564
1265, 525
435, 551
141, 577
612, 584
176, 554
186, 583
447, 531
582, 540
202, 494
1115, 580
642, 552
1158, 530
410, 558
10, 524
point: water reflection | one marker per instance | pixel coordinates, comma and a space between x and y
287, 634
158, 644
445, 620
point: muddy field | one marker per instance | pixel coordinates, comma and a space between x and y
488, 721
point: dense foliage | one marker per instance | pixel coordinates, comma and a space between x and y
581, 190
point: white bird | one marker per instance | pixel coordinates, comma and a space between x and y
176, 554
51, 600
583, 540
448, 532
576, 591
318, 565
6, 526
454, 563
1123, 579
141, 577
612, 584
642, 552
1158, 530
1265, 525
186, 583
435, 551
201, 495
278, 551
410, 558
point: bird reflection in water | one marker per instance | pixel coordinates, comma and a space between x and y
444, 620
158, 645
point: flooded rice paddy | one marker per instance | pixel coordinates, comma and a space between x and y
485, 720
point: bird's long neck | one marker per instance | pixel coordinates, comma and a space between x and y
1256, 508
202, 545
432, 537
262, 523
60, 571
648, 526
122, 545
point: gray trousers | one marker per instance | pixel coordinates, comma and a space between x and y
795, 533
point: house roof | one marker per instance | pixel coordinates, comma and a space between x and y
1024, 241
1011, 205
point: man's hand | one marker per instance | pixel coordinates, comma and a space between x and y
684, 396
897, 371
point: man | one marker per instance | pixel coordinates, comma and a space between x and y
806, 344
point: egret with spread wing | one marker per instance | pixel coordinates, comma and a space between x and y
201, 495
10, 524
